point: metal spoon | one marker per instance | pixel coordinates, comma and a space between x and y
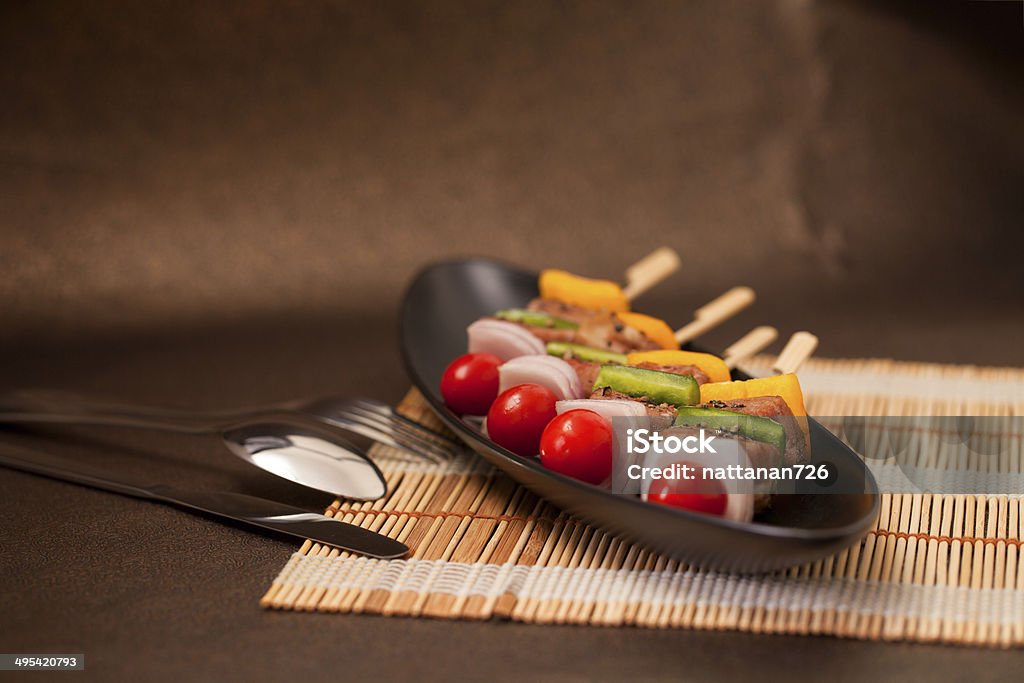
310, 453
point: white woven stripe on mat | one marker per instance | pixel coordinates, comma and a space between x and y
953, 604
892, 379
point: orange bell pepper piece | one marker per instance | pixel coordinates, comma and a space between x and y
713, 366
655, 329
582, 291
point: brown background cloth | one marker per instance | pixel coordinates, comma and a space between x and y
206, 206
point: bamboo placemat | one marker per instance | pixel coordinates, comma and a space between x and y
940, 568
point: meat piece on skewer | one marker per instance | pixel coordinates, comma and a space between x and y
602, 329
665, 412
597, 329
551, 334
559, 309
608, 331
776, 408
691, 370
587, 371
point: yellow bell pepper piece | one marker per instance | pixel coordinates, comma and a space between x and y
785, 386
713, 366
655, 329
582, 291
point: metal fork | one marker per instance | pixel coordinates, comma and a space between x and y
369, 418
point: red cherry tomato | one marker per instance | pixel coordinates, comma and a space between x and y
699, 494
578, 443
470, 384
518, 417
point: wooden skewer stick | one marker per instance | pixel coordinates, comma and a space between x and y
649, 271
749, 344
716, 312
798, 349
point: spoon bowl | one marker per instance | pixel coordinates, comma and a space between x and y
305, 457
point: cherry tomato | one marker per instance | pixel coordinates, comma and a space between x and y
699, 494
578, 443
470, 384
518, 417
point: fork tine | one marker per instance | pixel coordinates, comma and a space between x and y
381, 417
400, 431
382, 434
434, 451
405, 425
386, 411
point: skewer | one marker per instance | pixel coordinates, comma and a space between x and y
716, 312
749, 344
798, 349
649, 271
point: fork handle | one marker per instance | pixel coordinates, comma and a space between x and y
42, 410
43, 401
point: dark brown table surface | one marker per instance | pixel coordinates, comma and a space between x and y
206, 206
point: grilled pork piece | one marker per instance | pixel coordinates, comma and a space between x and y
587, 371
576, 314
597, 329
691, 370
605, 331
547, 334
774, 407
664, 411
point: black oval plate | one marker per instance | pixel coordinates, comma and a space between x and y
446, 297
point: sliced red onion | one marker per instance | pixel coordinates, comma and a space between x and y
740, 507
536, 369
504, 339
606, 408
565, 369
